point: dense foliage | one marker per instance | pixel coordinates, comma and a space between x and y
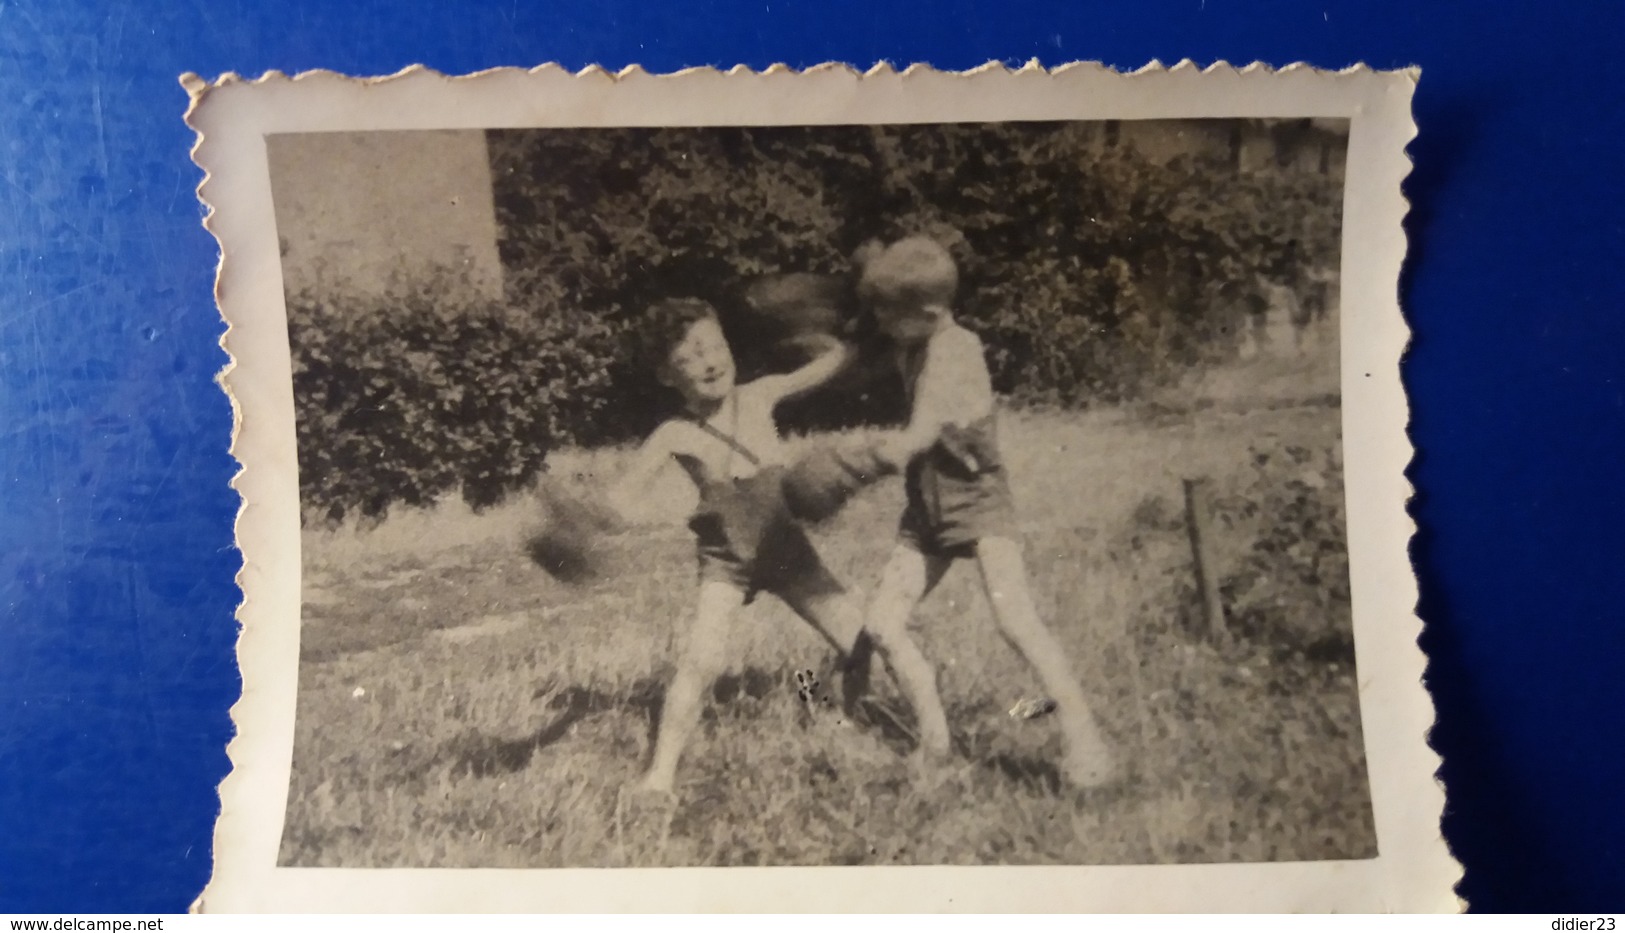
1281, 545
1091, 271
1291, 586
430, 395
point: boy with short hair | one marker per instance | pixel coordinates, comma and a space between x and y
959, 502
727, 441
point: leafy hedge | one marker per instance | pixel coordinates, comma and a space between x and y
1091, 274
1291, 586
1280, 540
435, 391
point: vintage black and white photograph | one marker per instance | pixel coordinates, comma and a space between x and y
838, 495
811, 488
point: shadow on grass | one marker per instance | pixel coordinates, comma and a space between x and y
1043, 776
752, 683
478, 755
1032, 771
484, 756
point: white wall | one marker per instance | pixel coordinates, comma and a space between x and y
1163, 140
355, 210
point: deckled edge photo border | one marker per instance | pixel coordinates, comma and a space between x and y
1413, 871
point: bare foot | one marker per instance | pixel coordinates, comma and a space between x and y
931, 764
649, 786
643, 815
1089, 764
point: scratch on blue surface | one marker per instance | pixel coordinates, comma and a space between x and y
96, 106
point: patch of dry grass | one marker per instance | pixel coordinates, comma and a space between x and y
457, 707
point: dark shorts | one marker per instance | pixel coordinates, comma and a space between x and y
746, 538
784, 562
948, 514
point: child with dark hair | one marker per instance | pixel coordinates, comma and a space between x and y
727, 441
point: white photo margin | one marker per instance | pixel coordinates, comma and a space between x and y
1413, 872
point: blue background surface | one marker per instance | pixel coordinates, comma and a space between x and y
116, 558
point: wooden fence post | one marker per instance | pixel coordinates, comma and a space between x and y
1197, 520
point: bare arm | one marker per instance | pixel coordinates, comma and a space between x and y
832, 356
953, 388
629, 496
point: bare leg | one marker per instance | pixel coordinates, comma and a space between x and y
1004, 574
701, 661
823, 603
818, 597
908, 577
835, 615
